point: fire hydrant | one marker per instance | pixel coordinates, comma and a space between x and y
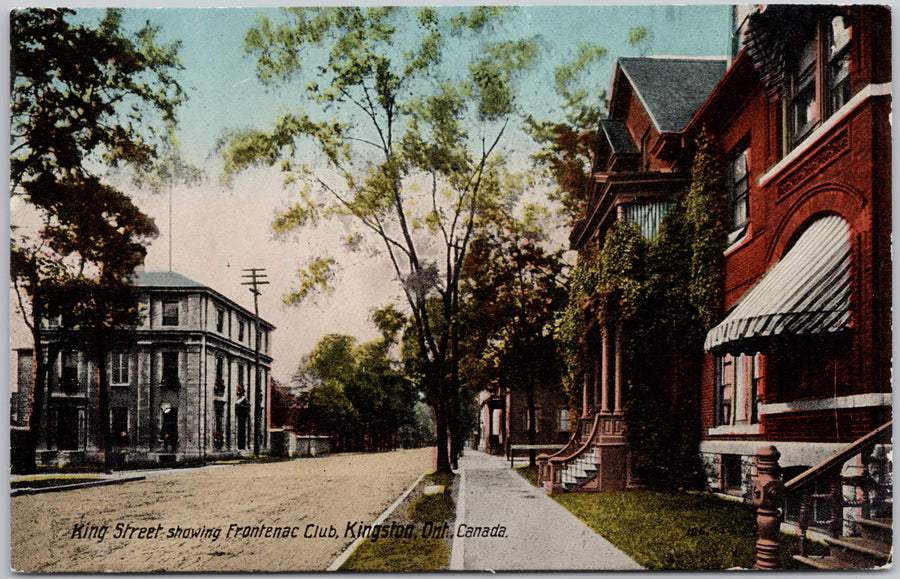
768, 492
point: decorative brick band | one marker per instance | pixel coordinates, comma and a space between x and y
820, 159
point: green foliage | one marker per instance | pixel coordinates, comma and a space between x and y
700, 531
513, 288
315, 276
529, 473
567, 146
404, 119
433, 508
41, 482
361, 396
639, 38
666, 293
387, 555
84, 98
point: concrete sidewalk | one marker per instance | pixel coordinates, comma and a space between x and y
513, 526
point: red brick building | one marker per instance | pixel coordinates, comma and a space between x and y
800, 116
802, 357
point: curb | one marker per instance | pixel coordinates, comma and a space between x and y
84, 485
458, 549
346, 554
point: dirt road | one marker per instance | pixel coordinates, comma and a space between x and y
289, 516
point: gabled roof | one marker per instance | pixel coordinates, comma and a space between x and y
164, 279
671, 89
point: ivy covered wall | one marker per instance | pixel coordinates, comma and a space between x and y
666, 292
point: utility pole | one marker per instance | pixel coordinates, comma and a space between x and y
255, 278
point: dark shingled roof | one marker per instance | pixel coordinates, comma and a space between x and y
672, 89
617, 135
163, 279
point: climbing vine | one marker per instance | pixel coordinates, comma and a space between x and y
666, 293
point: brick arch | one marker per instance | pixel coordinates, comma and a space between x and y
834, 199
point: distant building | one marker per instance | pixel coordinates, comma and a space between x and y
504, 418
184, 387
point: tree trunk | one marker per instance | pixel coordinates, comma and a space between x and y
442, 427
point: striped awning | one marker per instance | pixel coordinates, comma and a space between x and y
805, 293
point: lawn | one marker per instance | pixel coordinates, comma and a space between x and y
417, 553
674, 531
41, 482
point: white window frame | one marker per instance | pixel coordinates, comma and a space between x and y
737, 377
116, 368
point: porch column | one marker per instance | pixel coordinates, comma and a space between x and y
597, 370
604, 372
618, 362
584, 394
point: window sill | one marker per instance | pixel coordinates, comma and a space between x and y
735, 430
741, 236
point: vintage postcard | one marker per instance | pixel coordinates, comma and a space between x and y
450, 288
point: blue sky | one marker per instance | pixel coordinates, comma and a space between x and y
224, 92
217, 231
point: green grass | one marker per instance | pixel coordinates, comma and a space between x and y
413, 554
674, 531
440, 478
42, 482
529, 472
432, 508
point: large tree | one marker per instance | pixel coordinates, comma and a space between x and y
513, 289
84, 97
362, 400
405, 109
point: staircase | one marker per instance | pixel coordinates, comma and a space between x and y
593, 459
856, 512
871, 549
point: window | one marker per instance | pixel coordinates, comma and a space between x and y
241, 330
170, 313
170, 368
220, 321
220, 372
819, 75
562, 420
738, 190
119, 366
737, 397
732, 475
838, 63
118, 423
69, 374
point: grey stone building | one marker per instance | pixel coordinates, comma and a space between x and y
183, 387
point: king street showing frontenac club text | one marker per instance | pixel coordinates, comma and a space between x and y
450, 288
